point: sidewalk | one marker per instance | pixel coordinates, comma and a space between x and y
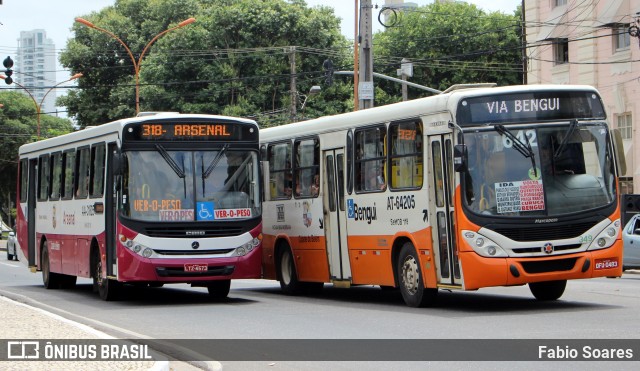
23, 322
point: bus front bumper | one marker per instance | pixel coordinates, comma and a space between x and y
485, 272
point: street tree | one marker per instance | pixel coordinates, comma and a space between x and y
450, 43
18, 125
236, 59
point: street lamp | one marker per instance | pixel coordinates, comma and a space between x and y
315, 89
136, 62
39, 105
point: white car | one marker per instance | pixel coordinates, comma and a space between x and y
631, 239
12, 254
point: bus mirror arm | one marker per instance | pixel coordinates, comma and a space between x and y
117, 163
460, 158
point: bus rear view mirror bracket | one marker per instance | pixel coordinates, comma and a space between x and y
460, 158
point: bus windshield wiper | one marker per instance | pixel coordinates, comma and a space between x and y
563, 144
165, 155
523, 148
214, 162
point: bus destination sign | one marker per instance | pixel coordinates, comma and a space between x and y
530, 107
189, 131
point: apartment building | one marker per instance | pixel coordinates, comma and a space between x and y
588, 42
36, 67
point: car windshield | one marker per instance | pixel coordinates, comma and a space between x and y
570, 170
167, 185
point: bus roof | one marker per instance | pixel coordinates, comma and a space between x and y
445, 102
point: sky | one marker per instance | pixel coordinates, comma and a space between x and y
57, 17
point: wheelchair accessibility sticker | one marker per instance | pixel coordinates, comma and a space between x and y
205, 211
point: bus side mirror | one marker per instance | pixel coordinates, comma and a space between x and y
460, 158
619, 148
117, 163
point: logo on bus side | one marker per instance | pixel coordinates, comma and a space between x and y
368, 213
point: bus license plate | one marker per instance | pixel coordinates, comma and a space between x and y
195, 267
606, 263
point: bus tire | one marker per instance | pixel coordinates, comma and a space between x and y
219, 289
51, 280
106, 288
548, 290
288, 275
410, 279
67, 281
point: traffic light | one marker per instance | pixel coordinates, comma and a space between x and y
8, 63
327, 65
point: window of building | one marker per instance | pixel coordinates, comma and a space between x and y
280, 176
624, 124
370, 160
561, 51
406, 155
621, 37
559, 2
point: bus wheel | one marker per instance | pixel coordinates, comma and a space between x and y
107, 289
288, 276
549, 290
51, 280
413, 291
219, 289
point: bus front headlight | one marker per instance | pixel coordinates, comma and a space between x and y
483, 246
607, 237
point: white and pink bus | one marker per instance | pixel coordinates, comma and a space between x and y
164, 198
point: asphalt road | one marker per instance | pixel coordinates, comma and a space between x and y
256, 309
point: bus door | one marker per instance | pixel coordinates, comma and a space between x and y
335, 218
442, 210
31, 212
111, 203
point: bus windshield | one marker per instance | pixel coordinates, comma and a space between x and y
170, 185
572, 169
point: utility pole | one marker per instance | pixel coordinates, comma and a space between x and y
406, 70
525, 67
365, 73
294, 90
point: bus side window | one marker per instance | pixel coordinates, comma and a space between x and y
370, 160
68, 174
406, 155
43, 177
56, 176
97, 170
280, 175
82, 172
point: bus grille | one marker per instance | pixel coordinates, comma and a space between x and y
530, 250
186, 232
545, 232
193, 252
211, 271
560, 265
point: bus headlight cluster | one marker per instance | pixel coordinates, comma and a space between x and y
136, 247
607, 237
249, 246
483, 246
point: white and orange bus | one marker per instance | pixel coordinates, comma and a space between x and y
155, 199
471, 188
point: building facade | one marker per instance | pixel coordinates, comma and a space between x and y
588, 42
36, 68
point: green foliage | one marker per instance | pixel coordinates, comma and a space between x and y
233, 60
451, 43
19, 125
